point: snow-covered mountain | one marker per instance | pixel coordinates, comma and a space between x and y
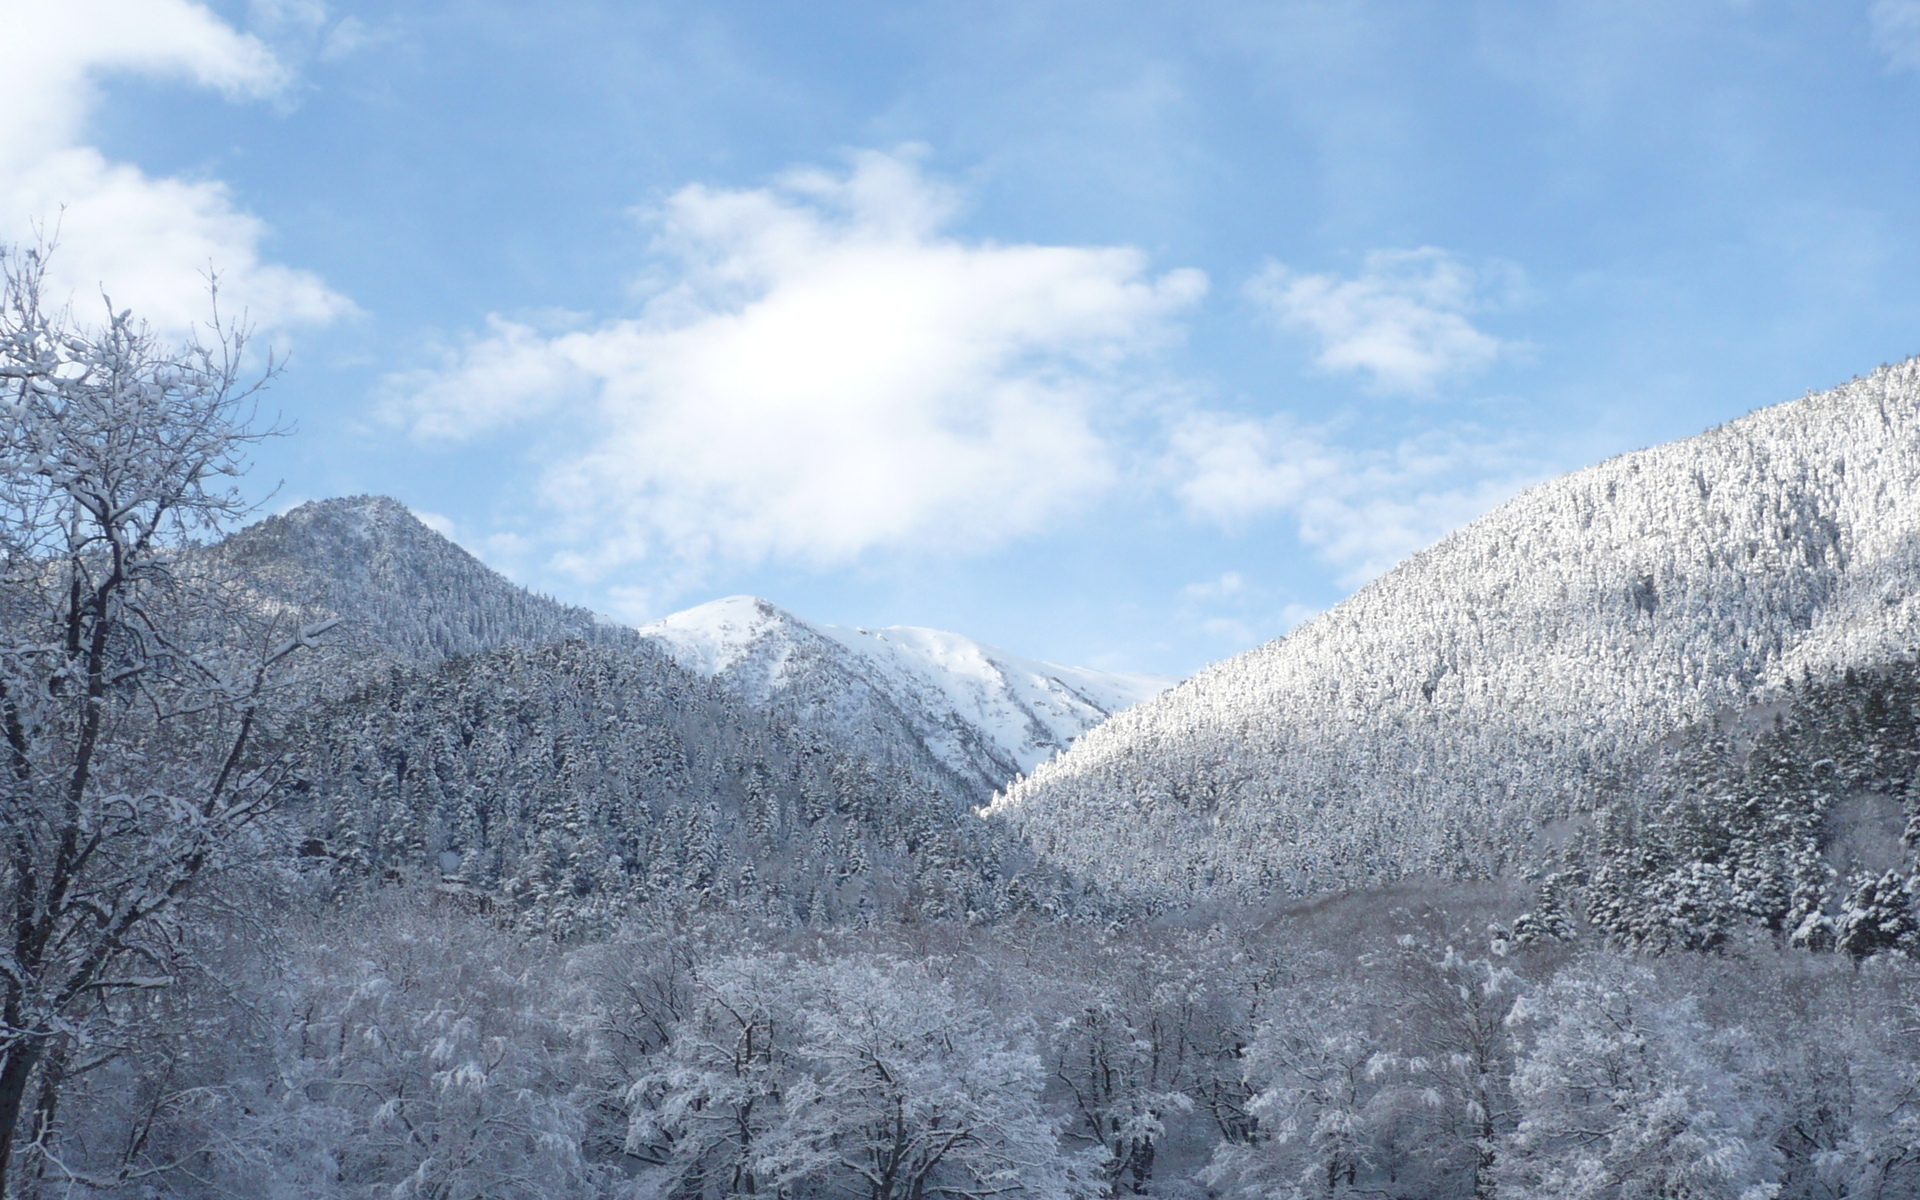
401, 590
1461, 713
563, 784
563, 767
407, 594
987, 714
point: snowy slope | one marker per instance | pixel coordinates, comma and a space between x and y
976, 716
1455, 714
468, 720
988, 715
401, 590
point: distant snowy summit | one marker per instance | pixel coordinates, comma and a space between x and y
404, 593
986, 714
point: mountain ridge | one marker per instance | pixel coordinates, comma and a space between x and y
1435, 721
400, 588
407, 593
554, 766
987, 714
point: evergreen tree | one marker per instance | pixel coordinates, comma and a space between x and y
1877, 917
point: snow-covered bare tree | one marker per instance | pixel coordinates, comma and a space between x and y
911, 1091
1626, 1092
1323, 1099
704, 1109
132, 687
856, 1077
1125, 1053
1457, 1058
420, 1055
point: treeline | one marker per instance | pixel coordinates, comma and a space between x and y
393, 1045
1799, 816
402, 592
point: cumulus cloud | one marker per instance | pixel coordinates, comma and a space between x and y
1360, 510
510, 372
1402, 322
821, 370
1896, 31
148, 241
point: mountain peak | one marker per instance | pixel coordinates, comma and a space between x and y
401, 589
710, 638
985, 714
366, 517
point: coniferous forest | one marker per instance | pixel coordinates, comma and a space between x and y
1574, 858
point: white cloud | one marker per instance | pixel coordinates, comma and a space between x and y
1235, 468
1360, 510
148, 241
440, 524
1402, 321
823, 372
1896, 31
512, 372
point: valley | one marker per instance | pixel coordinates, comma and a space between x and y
1573, 857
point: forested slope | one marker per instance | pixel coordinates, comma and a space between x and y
401, 590
1443, 716
1799, 815
560, 785
557, 768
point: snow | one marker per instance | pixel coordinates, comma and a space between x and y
963, 693
403, 591
1028, 708
713, 637
981, 712
1442, 717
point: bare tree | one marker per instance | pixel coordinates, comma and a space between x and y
132, 685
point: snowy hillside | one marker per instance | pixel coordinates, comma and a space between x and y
401, 589
409, 594
1452, 716
561, 766
564, 783
988, 715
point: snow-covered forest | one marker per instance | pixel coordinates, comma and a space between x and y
1573, 859
1456, 715
1375, 1046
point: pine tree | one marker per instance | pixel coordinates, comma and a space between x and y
1877, 917
1550, 921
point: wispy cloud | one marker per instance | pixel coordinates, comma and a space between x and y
824, 371
1403, 321
1234, 612
148, 241
1896, 31
1360, 510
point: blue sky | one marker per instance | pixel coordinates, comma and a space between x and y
1118, 334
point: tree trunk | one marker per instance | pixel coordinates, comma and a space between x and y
46, 1108
20, 1062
